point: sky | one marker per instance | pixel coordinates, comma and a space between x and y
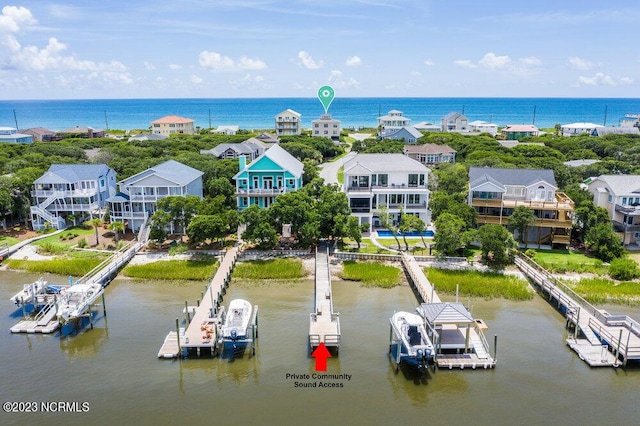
83, 49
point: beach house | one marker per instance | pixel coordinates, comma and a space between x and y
517, 131
139, 193
252, 148
80, 190
273, 173
494, 193
406, 134
40, 134
288, 123
430, 154
574, 129
11, 135
394, 181
620, 195
480, 126
391, 123
455, 122
171, 124
80, 132
326, 127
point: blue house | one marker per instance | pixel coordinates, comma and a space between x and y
273, 173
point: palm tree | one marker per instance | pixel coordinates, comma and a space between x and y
95, 223
116, 227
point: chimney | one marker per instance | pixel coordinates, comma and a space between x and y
243, 163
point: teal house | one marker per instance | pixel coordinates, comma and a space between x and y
273, 173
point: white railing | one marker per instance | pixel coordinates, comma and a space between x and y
55, 221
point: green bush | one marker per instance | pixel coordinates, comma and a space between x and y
623, 269
82, 243
49, 247
531, 253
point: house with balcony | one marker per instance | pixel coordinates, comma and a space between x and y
575, 129
455, 122
273, 173
252, 148
392, 180
430, 154
620, 195
40, 134
391, 123
288, 123
326, 127
140, 193
495, 193
11, 135
480, 126
513, 132
171, 124
80, 190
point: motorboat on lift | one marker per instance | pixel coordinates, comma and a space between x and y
29, 292
236, 324
76, 300
410, 341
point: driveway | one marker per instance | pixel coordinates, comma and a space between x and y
329, 171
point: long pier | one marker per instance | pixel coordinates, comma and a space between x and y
203, 320
324, 324
459, 341
600, 339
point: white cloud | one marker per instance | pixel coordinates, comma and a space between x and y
251, 64
429, 63
196, 80
493, 62
308, 62
249, 82
353, 61
465, 63
217, 61
601, 79
582, 64
336, 80
175, 67
14, 18
531, 61
149, 66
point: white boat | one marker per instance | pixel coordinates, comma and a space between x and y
410, 341
77, 299
236, 323
29, 292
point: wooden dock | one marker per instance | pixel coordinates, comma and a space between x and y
171, 345
599, 338
324, 324
459, 341
205, 319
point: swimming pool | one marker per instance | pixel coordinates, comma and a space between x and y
386, 233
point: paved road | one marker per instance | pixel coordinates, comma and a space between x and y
329, 171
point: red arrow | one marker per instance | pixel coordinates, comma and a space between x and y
321, 353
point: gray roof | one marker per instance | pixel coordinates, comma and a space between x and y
71, 173
409, 129
453, 116
445, 313
601, 131
578, 163
218, 150
281, 157
521, 177
148, 137
429, 148
171, 170
620, 184
385, 163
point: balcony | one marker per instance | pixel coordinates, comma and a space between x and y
562, 202
261, 191
78, 193
628, 210
543, 223
387, 188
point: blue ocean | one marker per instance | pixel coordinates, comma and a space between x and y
355, 113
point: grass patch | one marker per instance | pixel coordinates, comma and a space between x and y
603, 290
193, 270
341, 175
488, 285
272, 269
560, 261
371, 274
8, 240
76, 267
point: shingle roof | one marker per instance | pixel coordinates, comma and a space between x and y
281, 157
171, 170
520, 177
409, 129
601, 131
620, 184
428, 148
71, 173
446, 313
386, 163
520, 128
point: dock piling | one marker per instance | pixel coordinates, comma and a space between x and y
186, 309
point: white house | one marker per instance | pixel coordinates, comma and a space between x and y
326, 127
480, 126
80, 190
391, 123
139, 193
288, 123
574, 129
392, 180
11, 135
226, 130
620, 195
455, 122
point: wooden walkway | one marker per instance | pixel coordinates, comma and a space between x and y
324, 324
204, 321
453, 347
599, 338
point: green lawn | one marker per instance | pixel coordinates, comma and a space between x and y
371, 274
488, 285
559, 261
8, 240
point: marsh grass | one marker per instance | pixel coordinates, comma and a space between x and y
76, 266
261, 283
371, 274
603, 290
193, 270
560, 261
488, 285
271, 269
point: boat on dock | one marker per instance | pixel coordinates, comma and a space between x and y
76, 300
410, 341
29, 293
240, 327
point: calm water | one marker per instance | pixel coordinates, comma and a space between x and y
353, 112
538, 380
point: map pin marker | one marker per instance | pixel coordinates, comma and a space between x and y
326, 94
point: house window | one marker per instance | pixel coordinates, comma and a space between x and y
413, 180
610, 198
383, 180
636, 235
413, 199
624, 201
396, 199
363, 181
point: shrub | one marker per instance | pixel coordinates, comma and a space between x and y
82, 243
48, 247
531, 253
623, 269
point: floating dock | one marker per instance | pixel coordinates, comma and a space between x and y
459, 338
324, 324
205, 319
599, 338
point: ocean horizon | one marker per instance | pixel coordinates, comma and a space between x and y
354, 113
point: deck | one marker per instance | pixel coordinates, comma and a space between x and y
324, 324
599, 338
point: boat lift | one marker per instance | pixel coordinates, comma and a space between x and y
251, 335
